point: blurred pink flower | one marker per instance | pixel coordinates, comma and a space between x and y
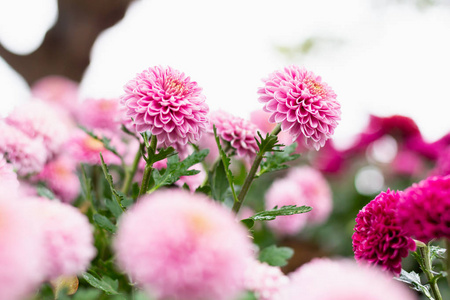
264, 280
190, 248
379, 239
25, 154
8, 178
408, 163
329, 159
99, 114
21, 255
61, 178
303, 104
68, 238
207, 141
424, 209
442, 167
325, 279
168, 104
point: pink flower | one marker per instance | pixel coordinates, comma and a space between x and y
302, 103
442, 167
238, 132
325, 279
20, 250
424, 209
99, 114
264, 280
41, 120
25, 154
168, 104
60, 177
68, 238
379, 239
408, 163
8, 178
261, 119
189, 248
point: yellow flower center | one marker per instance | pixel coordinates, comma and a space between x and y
315, 88
93, 144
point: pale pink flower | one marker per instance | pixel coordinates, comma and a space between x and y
325, 279
25, 154
99, 114
168, 104
208, 141
38, 119
21, 255
8, 178
60, 177
183, 246
68, 238
56, 90
264, 280
303, 104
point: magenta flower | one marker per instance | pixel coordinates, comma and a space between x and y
183, 246
424, 209
379, 239
238, 132
99, 114
325, 279
302, 103
168, 104
264, 280
442, 167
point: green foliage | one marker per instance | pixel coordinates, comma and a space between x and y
43, 191
104, 223
276, 256
268, 144
437, 252
106, 284
275, 161
105, 141
413, 280
269, 215
117, 195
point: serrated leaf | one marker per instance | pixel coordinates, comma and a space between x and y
268, 144
275, 161
104, 223
437, 252
162, 154
276, 256
413, 280
100, 284
206, 189
286, 210
118, 196
43, 191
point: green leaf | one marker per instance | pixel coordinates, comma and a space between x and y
413, 279
104, 223
86, 294
102, 284
118, 196
276, 256
43, 191
248, 223
268, 144
86, 185
248, 296
135, 190
206, 189
162, 154
114, 208
275, 161
437, 252
105, 141
219, 182
286, 210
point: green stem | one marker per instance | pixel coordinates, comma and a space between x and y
427, 269
251, 175
148, 167
447, 246
130, 172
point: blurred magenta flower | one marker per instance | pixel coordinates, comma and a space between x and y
442, 167
264, 280
99, 114
424, 209
168, 104
303, 105
379, 239
183, 246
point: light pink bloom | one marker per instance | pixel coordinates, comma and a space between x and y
68, 238
424, 209
183, 246
264, 280
38, 119
303, 104
325, 279
208, 141
21, 254
25, 154
168, 104
8, 178
61, 178
99, 114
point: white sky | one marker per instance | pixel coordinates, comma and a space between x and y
387, 59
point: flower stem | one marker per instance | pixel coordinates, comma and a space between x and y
251, 175
148, 167
427, 269
447, 246
130, 172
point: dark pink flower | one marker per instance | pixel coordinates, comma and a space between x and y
378, 238
303, 104
168, 104
442, 167
424, 209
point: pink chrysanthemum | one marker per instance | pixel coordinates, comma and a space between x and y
379, 239
25, 154
424, 209
302, 103
20, 250
190, 248
68, 238
40, 119
56, 90
99, 114
238, 132
8, 178
60, 177
325, 279
264, 280
168, 104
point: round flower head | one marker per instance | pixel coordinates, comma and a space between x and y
302, 103
68, 238
57, 90
168, 104
264, 280
239, 132
99, 114
190, 248
25, 154
442, 167
325, 279
20, 250
379, 239
424, 209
